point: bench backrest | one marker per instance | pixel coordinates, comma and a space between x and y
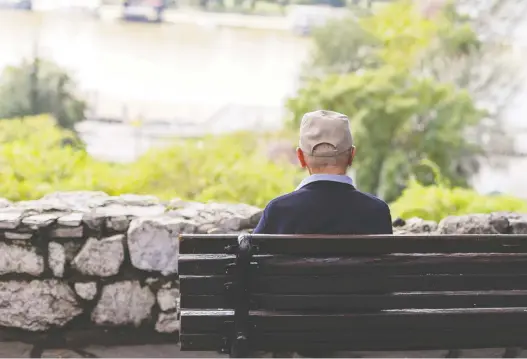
385, 292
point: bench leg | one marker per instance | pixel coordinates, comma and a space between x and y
283, 355
240, 343
512, 353
453, 353
240, 348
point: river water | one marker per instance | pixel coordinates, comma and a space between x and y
160, 63
190, 74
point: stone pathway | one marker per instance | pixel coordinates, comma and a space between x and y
21, 350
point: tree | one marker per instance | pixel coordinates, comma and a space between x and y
39, 87
419, 46
395, 35
463, 42
489, 69
398, 121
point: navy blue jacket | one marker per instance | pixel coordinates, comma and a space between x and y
326, 207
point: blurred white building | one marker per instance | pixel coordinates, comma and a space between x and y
507, 173
502, 172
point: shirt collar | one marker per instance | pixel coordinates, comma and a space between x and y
325, 177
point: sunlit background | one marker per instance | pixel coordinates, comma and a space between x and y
201, 100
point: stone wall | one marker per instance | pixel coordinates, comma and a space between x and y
493, 223
81, 268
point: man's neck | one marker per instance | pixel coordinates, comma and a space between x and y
336, 171
331, 177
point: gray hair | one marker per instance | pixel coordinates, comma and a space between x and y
340, 160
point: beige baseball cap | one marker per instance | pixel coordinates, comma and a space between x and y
323, 126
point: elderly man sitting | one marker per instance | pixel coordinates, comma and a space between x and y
327, 201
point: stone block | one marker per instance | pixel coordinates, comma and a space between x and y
154, 243
94, 221
118, 216
118, 223
40, 220
519, 224
86, 290
67, 232
18, 236
102, 258
124, 303
167, 298
56, 258
10, 218
167, 323
418, 225
473, 224
18, 259
70, 220
37, 305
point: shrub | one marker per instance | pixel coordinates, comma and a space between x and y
229, 168
439, 201
40, 87
36, 159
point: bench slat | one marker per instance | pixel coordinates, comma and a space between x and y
206, 243
207, 285
357, 302
360, 245
388, 264
214, 321
198, 264
369, 340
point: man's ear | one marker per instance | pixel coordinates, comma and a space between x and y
301, 158
353, 149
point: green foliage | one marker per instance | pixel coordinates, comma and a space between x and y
343, 46
34, 160
397, 121
435, 202
45, 127
374, 69
402, 33
399, 34
40, 87
231, 168
455, 35
438, 202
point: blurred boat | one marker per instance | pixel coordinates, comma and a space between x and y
16, 4
144, 10
304, 18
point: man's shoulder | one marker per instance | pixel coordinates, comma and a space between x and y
298, 196
305, 211
373, 200
284, 199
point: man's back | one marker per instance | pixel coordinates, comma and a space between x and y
326, 207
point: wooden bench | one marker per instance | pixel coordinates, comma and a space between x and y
352, 293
